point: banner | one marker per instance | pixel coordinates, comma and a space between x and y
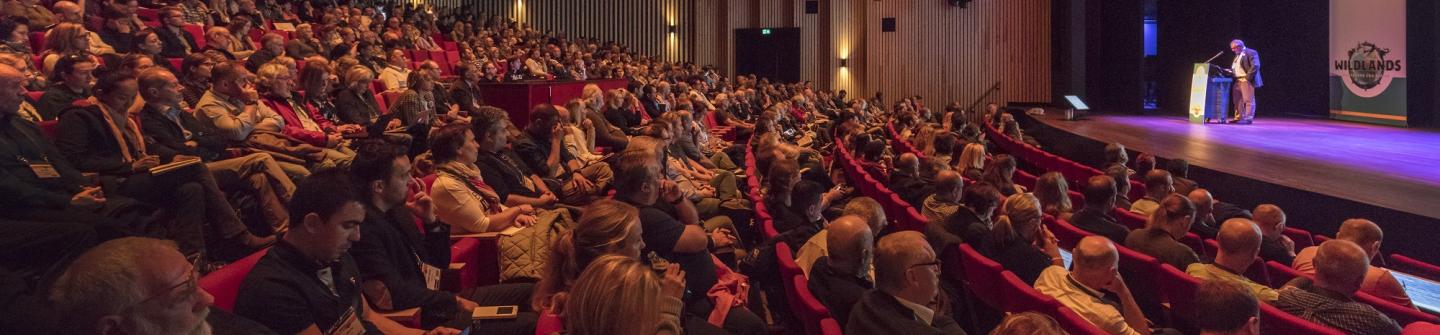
1367, 61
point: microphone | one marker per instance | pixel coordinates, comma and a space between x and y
1217, 55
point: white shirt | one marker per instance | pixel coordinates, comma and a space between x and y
924, 314
1236, 66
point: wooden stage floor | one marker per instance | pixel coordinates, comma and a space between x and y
1394, 168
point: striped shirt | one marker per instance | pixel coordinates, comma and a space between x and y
1310, 303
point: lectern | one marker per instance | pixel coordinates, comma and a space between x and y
1209, 97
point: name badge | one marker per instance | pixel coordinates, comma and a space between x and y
432, 276
44, 170
349, 324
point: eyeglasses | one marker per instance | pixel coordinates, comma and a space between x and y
188, 288
934, 263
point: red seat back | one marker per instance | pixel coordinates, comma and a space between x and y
1276, 321
1020, 297
1303, 238
1281, 273
809, 309
37, 42
1421, 328
1415, 267
983, 276
224, 284
786, 260
1074, 323
1130, 219
1179, 289
1402, 314
830, 327
1069, 235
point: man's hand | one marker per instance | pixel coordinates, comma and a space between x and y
669, 192
421, 206
580, 183
1117, 286
90, 197
722, 238
673, 283
144, 164
394, 124
178, 158
443, 331
526, 209
333, 140
587, 125
548, 199
558, 132
1288, 243
350, 128
191, 144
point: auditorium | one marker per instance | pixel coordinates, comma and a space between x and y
746, 167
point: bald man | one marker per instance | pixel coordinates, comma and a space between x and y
1239, 245
907, 279
1378, 281
1274, 246
1096, 267
841, 278
946, 198
907, 181
1204, 224
1340, 269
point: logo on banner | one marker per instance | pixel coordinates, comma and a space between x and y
1368, 72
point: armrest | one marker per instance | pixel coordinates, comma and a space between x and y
475, 235
409, 317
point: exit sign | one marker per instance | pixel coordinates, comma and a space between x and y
764, 31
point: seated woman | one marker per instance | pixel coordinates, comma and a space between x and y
580, 138
1054, 196
972, 161
1018, 240
619, 295
65, 39
1000, 173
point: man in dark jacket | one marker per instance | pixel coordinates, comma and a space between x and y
466, 92
177, 41
399, 264
71, 81
906, 180
840, 279
1095, 217
907, 276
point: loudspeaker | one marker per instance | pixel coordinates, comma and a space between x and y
887, 25
812, 7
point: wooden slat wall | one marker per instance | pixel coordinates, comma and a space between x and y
640, 24
946, 53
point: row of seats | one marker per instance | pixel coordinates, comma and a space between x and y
1175, 286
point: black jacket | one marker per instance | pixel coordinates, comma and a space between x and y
838, 292
880, 313
22, 188
166, 138
623, 118
175, 43
1100, 223
469, 99
390, 249
85, 139
356, 108
911, 188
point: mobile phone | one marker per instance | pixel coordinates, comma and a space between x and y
494, 312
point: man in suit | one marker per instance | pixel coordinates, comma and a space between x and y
1095, 216
907, 280
1246, 69
466, 92
177, 41
840, 279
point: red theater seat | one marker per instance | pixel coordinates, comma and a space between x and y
224, 284
983, 276
809, 309
1415, 267
1275, 321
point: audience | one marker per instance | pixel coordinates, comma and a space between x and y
1121, 176
1096, 267
907, 182
1378, 281
907, 276
1099, 202
1274, 245
1028, 323
1160, 238
1205, 224
999, 173
618, 295
1054, 195
1157, 185
1239, 246
1179, 169
1226, 308
1340, 269
969, 224
865, 208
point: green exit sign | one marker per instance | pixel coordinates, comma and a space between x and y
764, 31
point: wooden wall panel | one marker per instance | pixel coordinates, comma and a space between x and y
641, 24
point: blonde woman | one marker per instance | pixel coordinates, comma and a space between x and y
1054, 196
923, 140
972, 161
1018, 240
617, 295
608, 227
65, 39
580, 139
1028, 323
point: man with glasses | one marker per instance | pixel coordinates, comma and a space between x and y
138, 285
71, 80
177, 41
1096, 267
907, 281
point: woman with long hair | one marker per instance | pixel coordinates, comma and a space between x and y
65, 39
617, 295
1000, 173
972, 161
1161, 237
608, 227
1019, 241
1054, 196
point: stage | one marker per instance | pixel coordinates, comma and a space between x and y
1320, 171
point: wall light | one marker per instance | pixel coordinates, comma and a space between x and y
844, 62
672, 29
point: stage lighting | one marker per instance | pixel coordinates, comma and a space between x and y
844, 61
672, 29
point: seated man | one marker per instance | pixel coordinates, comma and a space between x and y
1121, 175
840, 279
946, 199
300, 125
1239, 244
1096, 267
71, 80
1274, 245
671, 230
907, 276
1180, 170
906, 180
1229, 309
540, 147
172, 132
98, 136
1158, 184
511, 179
1167, 226
1378, 281
308, 283
1340, 270
139, 285
232, 110
1205, 224
399, 271
397, 70
1099, 202
865, 208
